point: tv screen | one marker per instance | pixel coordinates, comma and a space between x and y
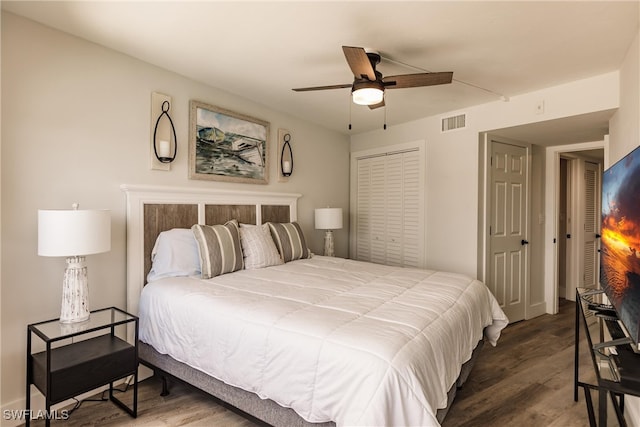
620, 241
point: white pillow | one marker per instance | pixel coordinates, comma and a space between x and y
175, 253
257, 247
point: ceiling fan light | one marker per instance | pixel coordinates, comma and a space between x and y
367, 93
368, 96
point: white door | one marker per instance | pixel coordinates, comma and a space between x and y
591, 227
508, 262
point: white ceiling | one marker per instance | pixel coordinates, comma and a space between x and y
261, 50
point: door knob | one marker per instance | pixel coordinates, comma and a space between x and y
524, 242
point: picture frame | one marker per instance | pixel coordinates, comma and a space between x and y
227, 146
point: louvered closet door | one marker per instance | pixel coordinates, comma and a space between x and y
363, 208
591, 225
388, 213
377, 211
394, 209
412, 215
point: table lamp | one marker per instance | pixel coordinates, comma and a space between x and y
328, 219
73, 234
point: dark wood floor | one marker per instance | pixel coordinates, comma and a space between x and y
527, 380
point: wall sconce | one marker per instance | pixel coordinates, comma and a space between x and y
285, 152
162, 134
162, 148
286, 157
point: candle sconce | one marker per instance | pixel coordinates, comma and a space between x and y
164, 143
286, 157
163, 153
285, 153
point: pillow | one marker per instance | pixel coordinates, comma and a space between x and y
258, 248
289, 240
174, 254
219, 248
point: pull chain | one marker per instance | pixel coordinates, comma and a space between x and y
385, 117
350, 108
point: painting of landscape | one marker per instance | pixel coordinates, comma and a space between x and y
227, 146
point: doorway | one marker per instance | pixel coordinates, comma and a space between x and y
543, 248
582, 224
578, 221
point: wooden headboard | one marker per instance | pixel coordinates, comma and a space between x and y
151, 210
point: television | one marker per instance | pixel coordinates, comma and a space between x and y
620, 241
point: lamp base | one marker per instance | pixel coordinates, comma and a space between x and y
328, 243
75, 292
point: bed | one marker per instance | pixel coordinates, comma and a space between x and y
311, 341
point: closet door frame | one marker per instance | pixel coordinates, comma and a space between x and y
420, 146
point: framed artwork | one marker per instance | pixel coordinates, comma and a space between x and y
227, 146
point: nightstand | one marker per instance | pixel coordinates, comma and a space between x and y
80, 357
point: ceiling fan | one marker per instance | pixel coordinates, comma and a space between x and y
369, 85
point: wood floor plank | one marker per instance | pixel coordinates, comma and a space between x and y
527, 380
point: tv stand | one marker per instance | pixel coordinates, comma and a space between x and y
616, 365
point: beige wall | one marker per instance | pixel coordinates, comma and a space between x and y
76, 125
625, 124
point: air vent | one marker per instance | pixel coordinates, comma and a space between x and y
454, 122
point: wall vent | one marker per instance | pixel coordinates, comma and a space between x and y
454, 122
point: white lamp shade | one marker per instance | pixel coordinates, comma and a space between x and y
328, 218
73, 232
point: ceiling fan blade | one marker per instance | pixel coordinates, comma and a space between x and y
417, 80
359, 62
307, 89
378, 105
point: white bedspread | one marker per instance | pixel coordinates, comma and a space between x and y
334, 339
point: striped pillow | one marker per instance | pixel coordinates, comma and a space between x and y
258, 248
289, 240
219, 248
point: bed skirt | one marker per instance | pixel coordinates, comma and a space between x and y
249, 403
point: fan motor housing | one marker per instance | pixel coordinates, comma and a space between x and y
374, 58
